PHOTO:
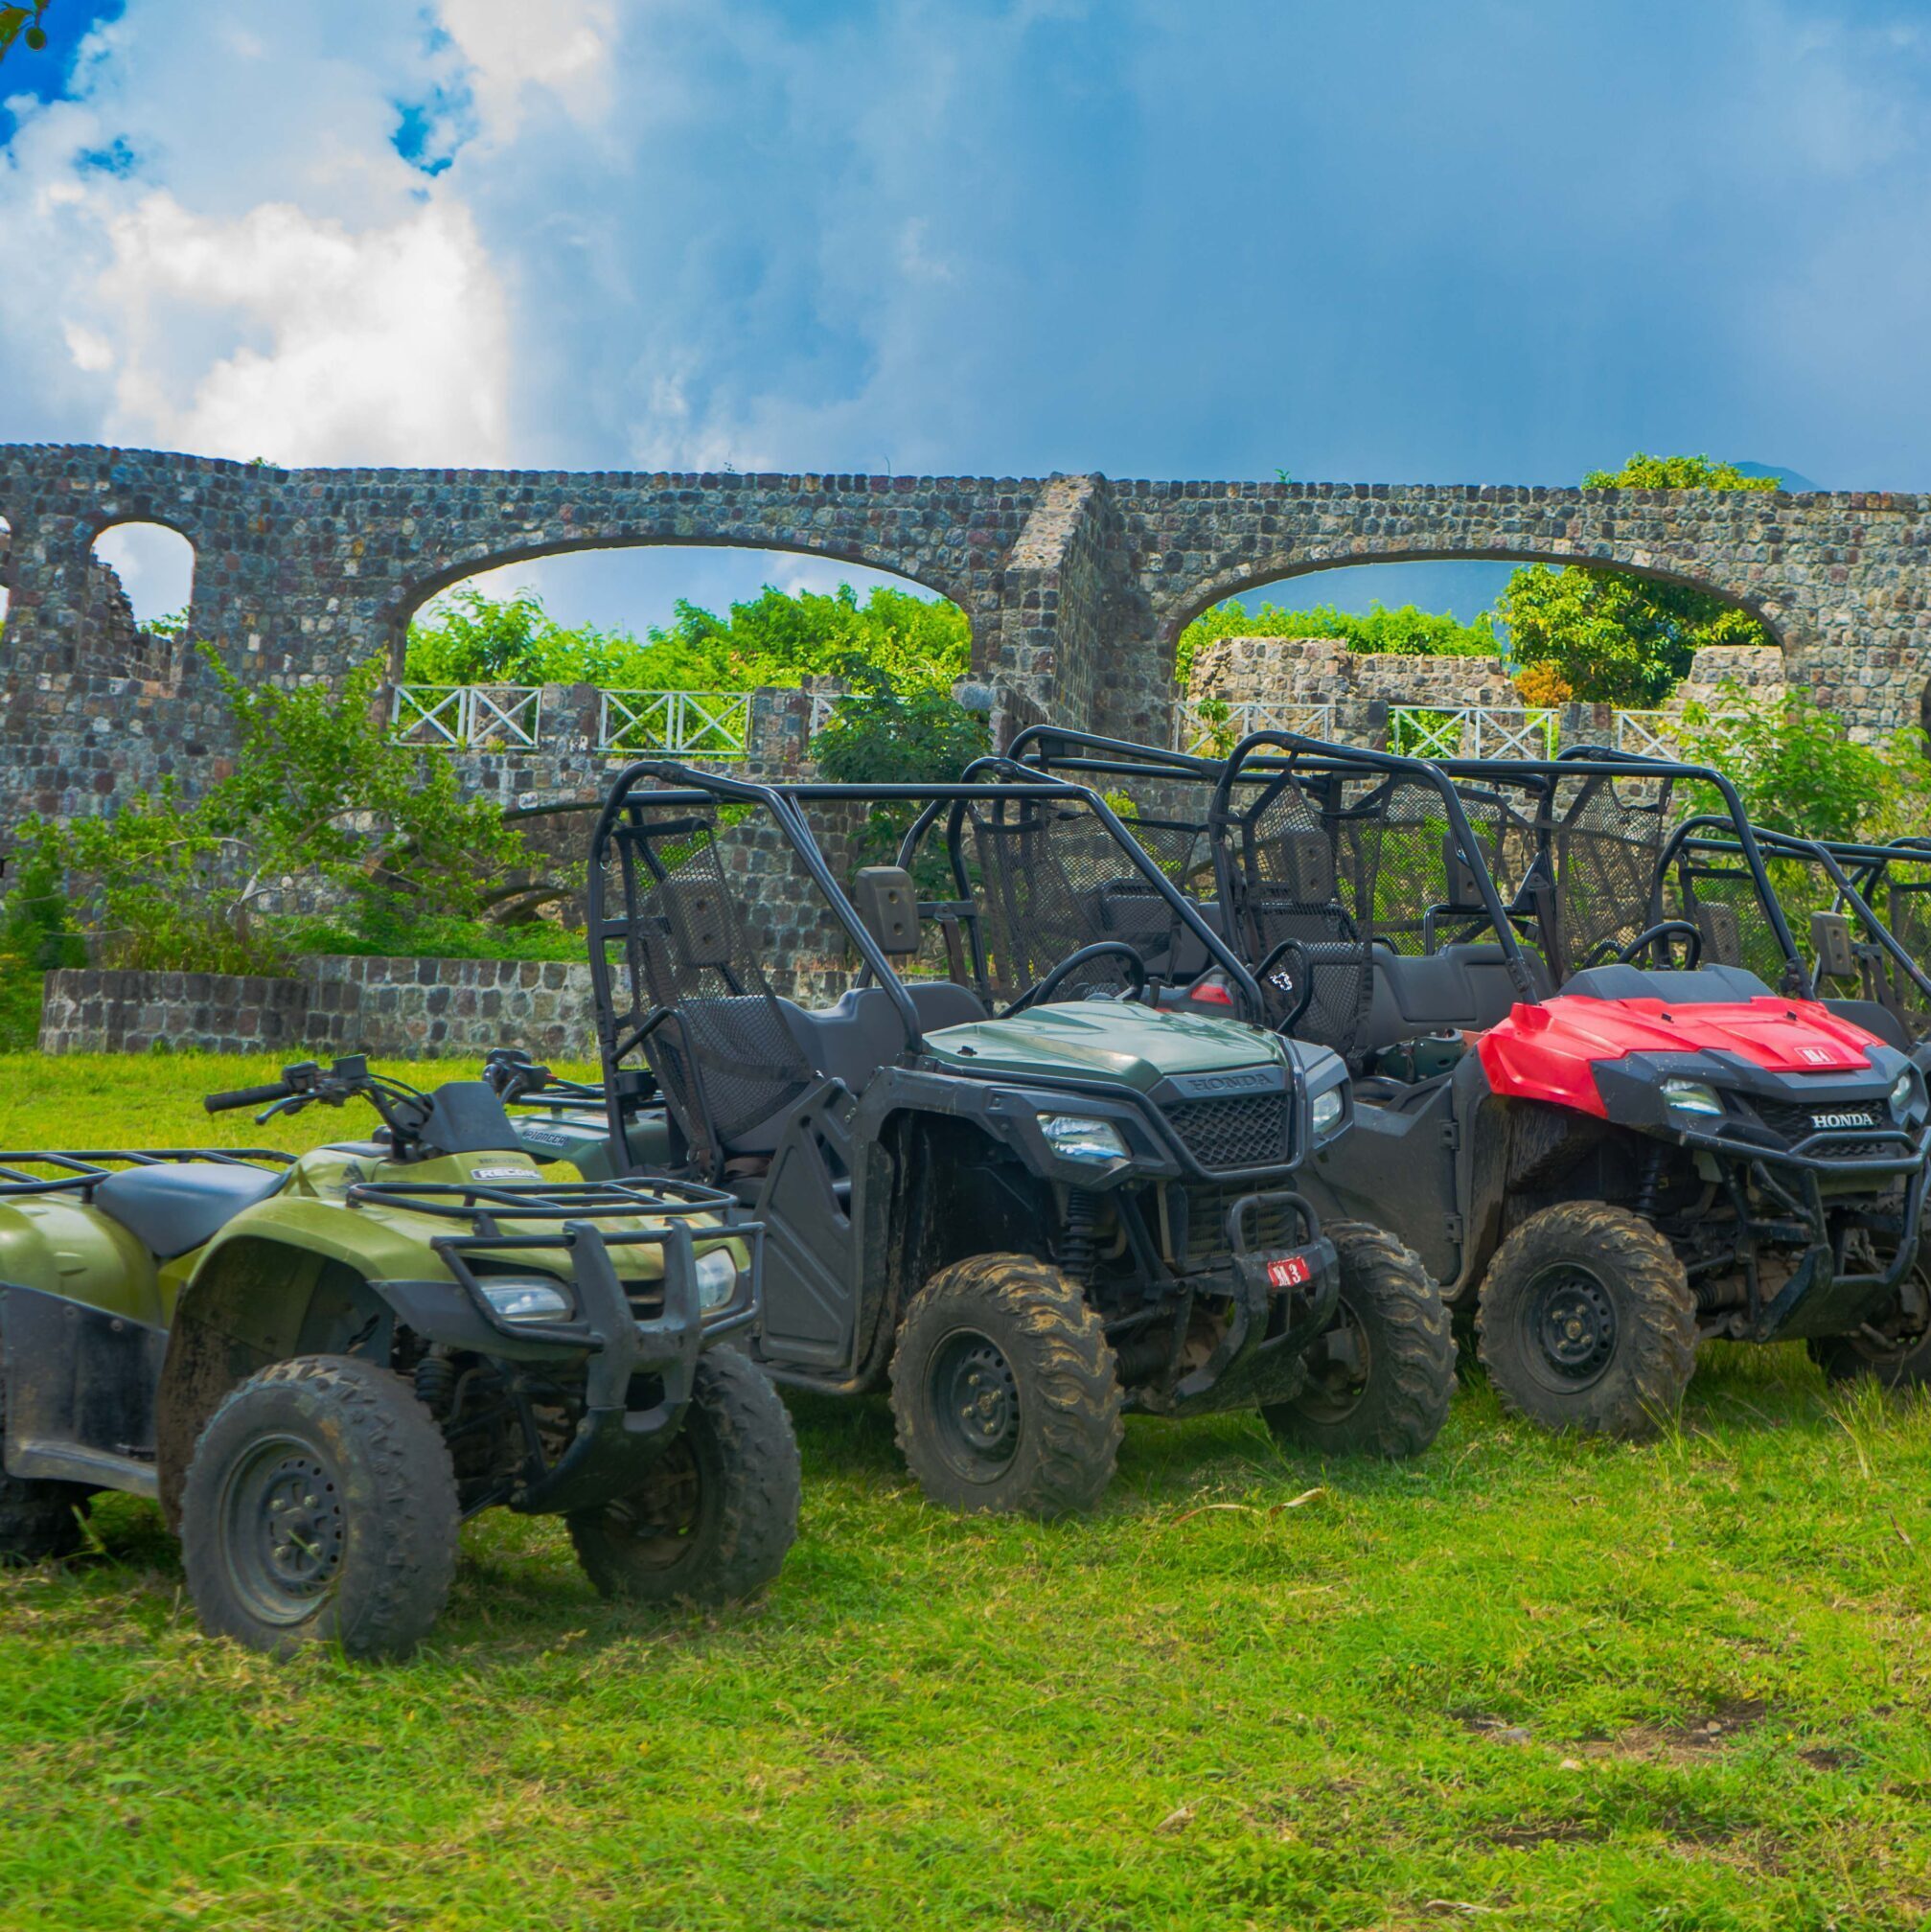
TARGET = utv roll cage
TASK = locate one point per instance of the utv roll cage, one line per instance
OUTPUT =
(690, 991)
(1614, 841)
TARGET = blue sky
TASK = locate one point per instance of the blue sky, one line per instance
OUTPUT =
(1507, 241)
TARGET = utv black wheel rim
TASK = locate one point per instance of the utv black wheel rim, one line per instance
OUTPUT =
(1572, 1320)
(1339, 1367)
(662, 1516)
(975, 1402)
(284, 1529)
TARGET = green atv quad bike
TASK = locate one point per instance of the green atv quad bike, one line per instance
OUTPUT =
(1019, 1220)
(320, 1365)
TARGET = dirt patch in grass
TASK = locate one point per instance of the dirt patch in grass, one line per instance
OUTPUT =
(1683, 1743)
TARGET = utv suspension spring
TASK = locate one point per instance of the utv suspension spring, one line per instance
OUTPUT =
(1077, 1251)
(1650, 1186)
(435, 1383)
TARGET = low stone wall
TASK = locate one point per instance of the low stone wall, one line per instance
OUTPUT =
(1324, 671)
(390, 1010)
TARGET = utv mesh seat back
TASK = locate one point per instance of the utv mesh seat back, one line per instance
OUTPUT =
(1053, 880)
(1607, 837)
(723, 1052)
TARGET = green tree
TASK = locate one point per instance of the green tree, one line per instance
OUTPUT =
(1407, 629)
(1614, 639)
(23, 24)
(1797, 770)
(1677, 473)
(890, 731)
(775, 638)
(319, 797)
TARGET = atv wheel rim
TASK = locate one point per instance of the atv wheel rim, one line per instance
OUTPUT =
(975, 1399)
(1571, 1322)
(283, 1528)
(1339, 1367)
(661, 1517)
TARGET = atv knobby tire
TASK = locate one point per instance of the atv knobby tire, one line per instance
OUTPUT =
(1005, 1393)
(1586, 1323)
(1380, 1380)
(37, 1520)
(320, 1506)
(1846, 1358)
(717, 1512)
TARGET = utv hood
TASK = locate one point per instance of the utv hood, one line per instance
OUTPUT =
(1546, 1052)
(1101, 1040)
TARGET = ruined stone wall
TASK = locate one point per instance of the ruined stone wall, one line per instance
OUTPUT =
(1077, 587)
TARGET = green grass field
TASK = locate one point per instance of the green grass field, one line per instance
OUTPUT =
(1521, 1682)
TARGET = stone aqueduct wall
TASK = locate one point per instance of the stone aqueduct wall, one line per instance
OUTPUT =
(1076, 587)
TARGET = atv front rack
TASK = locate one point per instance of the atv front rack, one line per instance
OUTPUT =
(81, 1172)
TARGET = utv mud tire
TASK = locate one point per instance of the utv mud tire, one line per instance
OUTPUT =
(719, 1510)
(320, 1506)
(1380, 1381)
(1848, 1358)
(37, 1520)
(1586, 1323)
(1005, 1393)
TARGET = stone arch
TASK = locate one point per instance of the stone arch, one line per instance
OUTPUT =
(116, 636)
(1247, 574)
(406, 599)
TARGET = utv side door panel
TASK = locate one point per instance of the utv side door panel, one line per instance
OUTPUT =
(81, 1386)
(1396, 1170)
(811, 1261)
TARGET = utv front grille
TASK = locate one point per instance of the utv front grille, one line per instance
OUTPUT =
(1249, 1131)
(1206, 1208)
(1792, 1121)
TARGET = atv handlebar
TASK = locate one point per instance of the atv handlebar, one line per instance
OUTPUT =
(249, 1096)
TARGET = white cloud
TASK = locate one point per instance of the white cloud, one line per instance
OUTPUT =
(382, 344)
(563, 47)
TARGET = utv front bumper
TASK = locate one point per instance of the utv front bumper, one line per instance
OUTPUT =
(1819, 1202)
(1272, 1302)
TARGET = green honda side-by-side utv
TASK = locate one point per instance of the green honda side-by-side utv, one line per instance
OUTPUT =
(1020, 1218)
(320, 1365)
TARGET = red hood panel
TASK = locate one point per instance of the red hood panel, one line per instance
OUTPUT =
(1546, 1052)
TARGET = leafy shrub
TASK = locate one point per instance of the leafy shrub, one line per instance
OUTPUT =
(1543, 685)
(319, 797)
(1796, 770)
(884, 731)
(1415, 632)
(1677, 473)
(775, 638)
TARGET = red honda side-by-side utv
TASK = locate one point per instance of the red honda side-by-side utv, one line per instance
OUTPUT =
(1604, 1135)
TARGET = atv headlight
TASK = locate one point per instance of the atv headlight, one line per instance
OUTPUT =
(1907, 1098)
(1692, 1099)
(1326, 1110)
(717, 1279)
(1073, 1136)
(527, 1301)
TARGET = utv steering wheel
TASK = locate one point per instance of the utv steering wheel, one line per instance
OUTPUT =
(1658, 934)
(1136, 967)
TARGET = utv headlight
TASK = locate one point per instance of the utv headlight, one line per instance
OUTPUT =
(527, 1301)
(717, 1279)
(1073, 1136)
(1692, 1098)
(1326, 1112)
(1907, 1098)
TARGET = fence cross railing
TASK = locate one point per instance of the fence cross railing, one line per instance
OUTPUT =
(1473, 731)
(468, 717)
(1204, 728)
(699, 725)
